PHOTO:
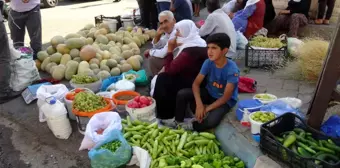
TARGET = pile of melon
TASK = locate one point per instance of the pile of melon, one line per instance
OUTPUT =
(94, 51)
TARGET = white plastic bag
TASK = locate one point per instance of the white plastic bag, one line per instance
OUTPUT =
(45, 91)
(241, 41)
(153, 84)
(15, 54)
(24, 72)
(293, 45)
(124, 85)
(140, 157)
(106, 121)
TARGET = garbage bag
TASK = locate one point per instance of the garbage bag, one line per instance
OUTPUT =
(99, 127)
(140, 158)
(103, 158)
(108, 81)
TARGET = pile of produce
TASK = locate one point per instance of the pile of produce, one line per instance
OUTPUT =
(84, 79)
(303, 144)
(111, 146)
(265, 97)
(169, 147)
(88, 102)
(94, 51)
(140, 102)
(71, 95)
(262, 117)
(265, 42)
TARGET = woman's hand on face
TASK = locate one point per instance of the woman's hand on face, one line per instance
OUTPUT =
(231, 15)
(172, 44)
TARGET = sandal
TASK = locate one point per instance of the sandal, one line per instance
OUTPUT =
(326, 22)
(318, 21)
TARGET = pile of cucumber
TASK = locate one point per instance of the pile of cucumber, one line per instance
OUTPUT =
(163, 141)
(303, 144)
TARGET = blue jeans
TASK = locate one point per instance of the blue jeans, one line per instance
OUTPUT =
(162, 6)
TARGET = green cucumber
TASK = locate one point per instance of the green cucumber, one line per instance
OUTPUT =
(331, 146)
(291, 138)
(323, 149)
(298, 130)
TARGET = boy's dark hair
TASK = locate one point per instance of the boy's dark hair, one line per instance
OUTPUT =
(212, 5)
(220, 39)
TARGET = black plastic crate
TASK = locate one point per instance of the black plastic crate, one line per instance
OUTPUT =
(284, 123)
(99, 19)
(257, 58)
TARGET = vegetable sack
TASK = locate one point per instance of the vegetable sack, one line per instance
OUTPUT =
(105, 158)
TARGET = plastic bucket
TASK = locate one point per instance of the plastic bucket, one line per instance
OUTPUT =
(255, 126)
(146, 114)
(264, 101)
(95, 86)
(112, 23)
(127, 22)
(68, 104)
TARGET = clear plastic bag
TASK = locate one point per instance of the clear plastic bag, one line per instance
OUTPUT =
(105, 158)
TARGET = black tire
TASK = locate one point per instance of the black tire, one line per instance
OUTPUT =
(50, 3)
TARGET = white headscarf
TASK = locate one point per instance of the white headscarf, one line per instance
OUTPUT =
(189, 36)
(251, 2)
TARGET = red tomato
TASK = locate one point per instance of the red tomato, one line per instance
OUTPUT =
(133, 104)
(144, 100)
(137, 98)
(70, 96)
(100, 131)
(77, 90)
(143, 105)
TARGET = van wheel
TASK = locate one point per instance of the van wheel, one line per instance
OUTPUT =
(50, 3)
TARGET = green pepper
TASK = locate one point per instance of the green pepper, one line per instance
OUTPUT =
(331, 146)
(306, 148)
(298, 130)
(289, 140)
(303, 152)
(207, 135)
(323, 149)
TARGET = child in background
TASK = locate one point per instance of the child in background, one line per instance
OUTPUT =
(322, 7)
(220, 93)
(196, 7)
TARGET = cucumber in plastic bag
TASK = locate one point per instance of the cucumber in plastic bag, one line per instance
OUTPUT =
(103, 158)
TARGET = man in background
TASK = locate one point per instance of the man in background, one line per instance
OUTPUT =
(182, 9)
(25, 14)
(6, 93)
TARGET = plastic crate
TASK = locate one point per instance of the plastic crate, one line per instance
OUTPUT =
(99, 19)
(284, 123)
(256, 58)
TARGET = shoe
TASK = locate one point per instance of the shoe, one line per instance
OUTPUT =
(169, 123)
(9, 96)
(318, 21)
(326, 22)
(186, 125)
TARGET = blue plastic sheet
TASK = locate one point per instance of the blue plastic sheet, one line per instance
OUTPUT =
(107, 82)
(280, 107)
(332, 126)
(103, 158)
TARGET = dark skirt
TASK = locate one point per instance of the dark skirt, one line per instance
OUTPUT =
(165, 93)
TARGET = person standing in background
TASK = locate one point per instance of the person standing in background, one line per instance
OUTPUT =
(196, 7)
(182, 9)
(163, 5)
(6, 93)
(150, 14)
(141, 11)
(25, 14)
(322, 7)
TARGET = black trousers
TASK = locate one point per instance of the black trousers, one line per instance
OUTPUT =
(150, 14)
(212, 118)
(322, 7)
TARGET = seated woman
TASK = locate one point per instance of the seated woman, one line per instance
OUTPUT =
(249, 19)
(186, 54)
(294, 17)
(218, 95)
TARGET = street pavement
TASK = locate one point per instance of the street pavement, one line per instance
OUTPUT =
(25, 142)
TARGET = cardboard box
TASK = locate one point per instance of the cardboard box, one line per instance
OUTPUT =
(30, 93)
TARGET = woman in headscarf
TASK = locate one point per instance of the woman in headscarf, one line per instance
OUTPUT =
(186, 54)
(294, 17)
(249, 19)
